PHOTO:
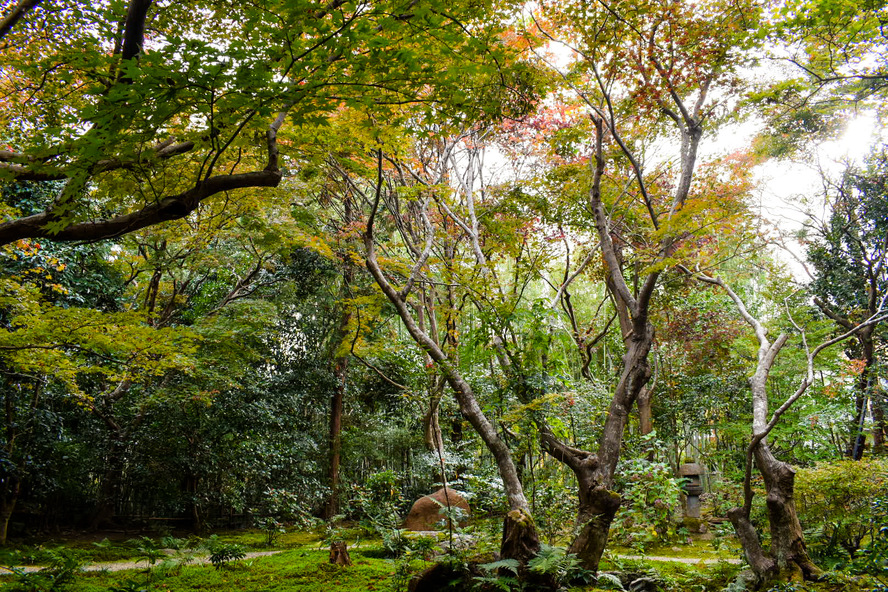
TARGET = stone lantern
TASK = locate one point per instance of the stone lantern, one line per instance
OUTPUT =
(693, 487)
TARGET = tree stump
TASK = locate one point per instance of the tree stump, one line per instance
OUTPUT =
(339, 553)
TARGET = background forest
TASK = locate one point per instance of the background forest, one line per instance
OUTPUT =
(296, 262)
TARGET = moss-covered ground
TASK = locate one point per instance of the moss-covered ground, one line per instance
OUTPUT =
(300, 564)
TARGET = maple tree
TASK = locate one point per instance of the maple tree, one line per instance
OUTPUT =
(144, 110)
(116, 357)
(837, 51)
(326, 175)
(519, 541)
(787, 557)
(643, 71)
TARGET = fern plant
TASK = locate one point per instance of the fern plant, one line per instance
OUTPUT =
(493, 577)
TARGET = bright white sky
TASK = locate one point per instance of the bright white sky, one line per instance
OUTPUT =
(787, 188)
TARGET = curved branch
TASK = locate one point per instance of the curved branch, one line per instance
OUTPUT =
(11, 164)
(11, 19)
(617, 281)
(172, 207)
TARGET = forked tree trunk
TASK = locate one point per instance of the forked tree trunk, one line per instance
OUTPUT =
(866, 388)
(431, 426)
(598, 504)
(787, 541)
(787, 557)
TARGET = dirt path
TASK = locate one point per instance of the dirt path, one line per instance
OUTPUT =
(688, 560)
(143, 564)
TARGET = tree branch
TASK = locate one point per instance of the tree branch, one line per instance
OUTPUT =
(11, 19)
(172, 207)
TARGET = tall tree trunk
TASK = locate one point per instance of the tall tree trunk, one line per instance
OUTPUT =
(431, 426)
(598, 503)
(863, 391)
(645, 413)
(787, 559)
(788, 556)
(340, 371)
(866, 388)
(7, 505)
(109, 488)
(879, 403)
(520, 539)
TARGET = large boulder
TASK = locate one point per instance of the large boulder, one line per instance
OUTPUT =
(426, 511)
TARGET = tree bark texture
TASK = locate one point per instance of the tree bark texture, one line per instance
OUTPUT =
(431, 426)
(788, 548)
(596, 512)
(598, 503)
(787, 557)
(520, 539)
(340, 372)
(863, 391)
(879, 403)
(645, 412)
(339, 553)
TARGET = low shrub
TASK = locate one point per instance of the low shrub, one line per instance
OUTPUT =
(650, 501)
(834, 503)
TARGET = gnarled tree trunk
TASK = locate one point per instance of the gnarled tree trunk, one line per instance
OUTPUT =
(788, 556)
(598, 503)
(787, 541)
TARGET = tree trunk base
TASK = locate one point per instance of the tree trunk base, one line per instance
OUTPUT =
(339, 554)
(520, 540)
(593, 522)
(764, 568)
